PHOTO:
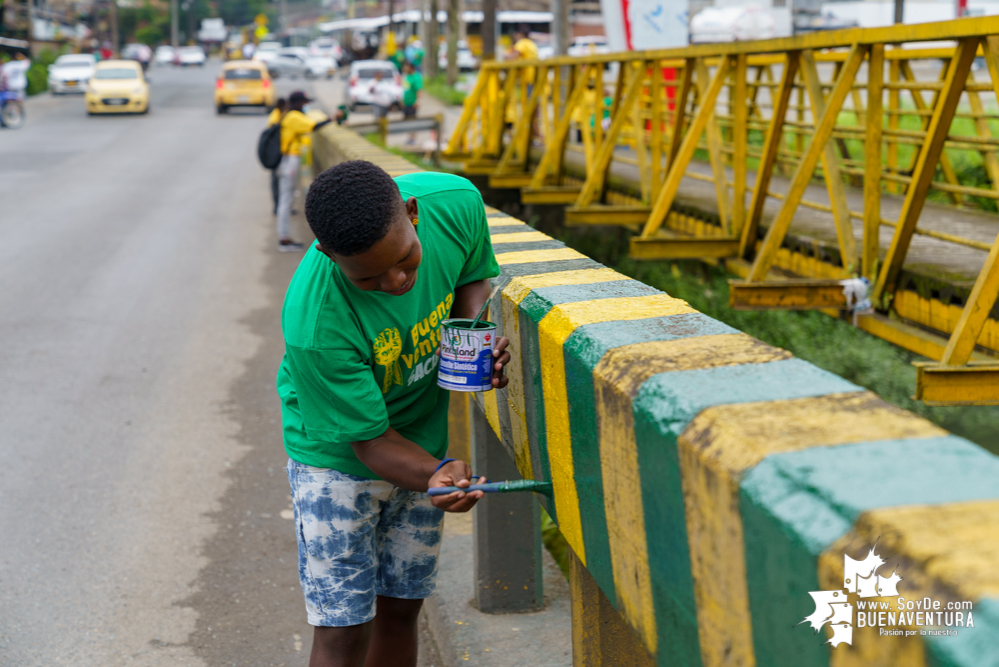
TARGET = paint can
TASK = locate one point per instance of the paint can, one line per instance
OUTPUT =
(466, 355)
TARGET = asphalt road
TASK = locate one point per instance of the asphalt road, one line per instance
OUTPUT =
(144, 510)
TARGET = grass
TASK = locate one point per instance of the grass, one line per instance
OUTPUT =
(437, 86)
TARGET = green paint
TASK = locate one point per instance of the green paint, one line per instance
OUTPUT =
(510, 486)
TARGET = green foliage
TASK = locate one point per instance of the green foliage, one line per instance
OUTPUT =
(150, 35)
(38, 73)
(437, 86)
(242, 12)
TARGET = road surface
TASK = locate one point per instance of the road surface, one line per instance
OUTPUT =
(144, 509)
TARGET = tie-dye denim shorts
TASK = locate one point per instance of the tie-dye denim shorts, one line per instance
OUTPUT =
(359, 538)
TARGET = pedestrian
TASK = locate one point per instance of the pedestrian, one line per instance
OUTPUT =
(414, 54)
(277, 113)
(364, 421)
(106, 52)
(524, 48)
(412, 83)
(294, 126)
(14, 74)
(248, 50)
(382, 95)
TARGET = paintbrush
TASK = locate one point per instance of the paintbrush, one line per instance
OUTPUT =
(497, 487)
(483, 309)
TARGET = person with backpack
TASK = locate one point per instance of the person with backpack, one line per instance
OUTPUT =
(293, 126)
(274, 119)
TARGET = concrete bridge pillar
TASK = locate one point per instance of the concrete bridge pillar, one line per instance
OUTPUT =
(506, 531)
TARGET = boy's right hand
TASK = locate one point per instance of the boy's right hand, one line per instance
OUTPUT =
(455, 473)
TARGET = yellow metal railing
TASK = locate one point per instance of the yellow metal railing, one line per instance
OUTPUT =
(870, 108)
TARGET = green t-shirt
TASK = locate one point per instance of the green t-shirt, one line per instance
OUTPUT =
(410, 85)
(358, 362)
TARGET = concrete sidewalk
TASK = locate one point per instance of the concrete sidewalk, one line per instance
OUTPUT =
(464, 635)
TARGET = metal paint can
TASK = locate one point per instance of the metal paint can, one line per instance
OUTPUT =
(466, 355)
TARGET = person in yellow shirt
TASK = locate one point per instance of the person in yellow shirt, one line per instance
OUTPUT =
(294, 126)
(524, 48)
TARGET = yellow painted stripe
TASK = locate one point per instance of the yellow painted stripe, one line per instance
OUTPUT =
(945, 552)
(513, 294)
(490, 405)
(715, 449)
(518, 288)
(626, 368)
(519, 237)
(553, 330)
(618, 376)
(551, 255)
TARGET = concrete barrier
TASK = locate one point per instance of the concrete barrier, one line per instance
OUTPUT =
(708, 482)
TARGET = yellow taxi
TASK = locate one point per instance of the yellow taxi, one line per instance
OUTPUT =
(117, 86)
(243, 83)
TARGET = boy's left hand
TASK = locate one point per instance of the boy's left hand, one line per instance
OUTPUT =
(502, 358)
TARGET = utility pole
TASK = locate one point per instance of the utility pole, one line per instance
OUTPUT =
(284, 17)
(488, 30)
(898, 11)
(174, 41)
(561, 29)
(453, 16)
(391, 14)
(433, 40)
(114, 27)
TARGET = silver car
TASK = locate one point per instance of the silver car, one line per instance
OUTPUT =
(291, 61)
(70, 73)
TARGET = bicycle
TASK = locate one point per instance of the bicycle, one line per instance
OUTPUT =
(11, 109)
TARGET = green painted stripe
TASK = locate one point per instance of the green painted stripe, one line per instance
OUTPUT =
(816, 495)
(583, 350)
(663, 406)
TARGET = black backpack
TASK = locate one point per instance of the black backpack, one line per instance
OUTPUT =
(269, 146)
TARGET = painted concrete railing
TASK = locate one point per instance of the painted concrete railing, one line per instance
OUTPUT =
(708, 482)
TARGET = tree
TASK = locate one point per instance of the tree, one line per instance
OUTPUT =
(453, 10)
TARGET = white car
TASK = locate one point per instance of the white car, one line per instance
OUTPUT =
(189, 56)
(466, 59)
(266, 51)
(326, 46)
(70, 73)
(362, 75)
(586, 45)
(164, 55)
(320, 67)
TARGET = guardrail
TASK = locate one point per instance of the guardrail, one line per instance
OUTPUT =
(809, 107)
(707, 482)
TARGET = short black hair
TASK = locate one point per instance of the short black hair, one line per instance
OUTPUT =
(351, 206)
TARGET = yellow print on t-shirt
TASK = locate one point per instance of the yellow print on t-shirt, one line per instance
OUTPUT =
(426, 336)
(387, 348)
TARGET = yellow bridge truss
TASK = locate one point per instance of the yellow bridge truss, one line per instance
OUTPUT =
(803, 110)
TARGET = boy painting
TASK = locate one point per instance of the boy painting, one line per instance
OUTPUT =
(365, 424)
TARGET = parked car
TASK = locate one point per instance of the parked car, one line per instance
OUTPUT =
(586, 45)
(466, 59)
(362, 74)
(266, 51)
(190, 56)
(243, 83)
(289, 62)
(117, 86)
(70, 73)
(164, 55)
(326, 46)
